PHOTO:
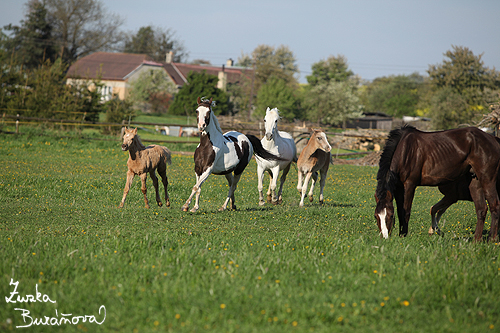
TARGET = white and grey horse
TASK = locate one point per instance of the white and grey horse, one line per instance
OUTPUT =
(278, 143)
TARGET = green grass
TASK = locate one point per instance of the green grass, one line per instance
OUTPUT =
(256, 269)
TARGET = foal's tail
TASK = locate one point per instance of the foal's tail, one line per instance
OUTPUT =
(260, 151)
(168, 155)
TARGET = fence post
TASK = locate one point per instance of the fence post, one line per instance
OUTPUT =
(17, 124)
(123, 129)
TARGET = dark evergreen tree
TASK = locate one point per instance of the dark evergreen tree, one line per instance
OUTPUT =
(199, 85)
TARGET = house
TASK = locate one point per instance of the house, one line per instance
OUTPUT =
(118, 70)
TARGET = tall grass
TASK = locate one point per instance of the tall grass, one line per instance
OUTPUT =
(256, 269)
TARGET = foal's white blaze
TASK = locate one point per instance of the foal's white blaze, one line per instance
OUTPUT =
(383, 226)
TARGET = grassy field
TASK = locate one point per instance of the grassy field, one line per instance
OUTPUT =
(256, 269)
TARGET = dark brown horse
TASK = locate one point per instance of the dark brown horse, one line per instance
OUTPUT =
(466, 188)
(413, 158)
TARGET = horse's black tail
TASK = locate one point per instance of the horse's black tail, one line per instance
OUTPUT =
(260, 151)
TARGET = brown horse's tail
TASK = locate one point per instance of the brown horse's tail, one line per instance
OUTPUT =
(260, 151)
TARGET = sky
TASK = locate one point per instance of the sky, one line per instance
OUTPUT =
(377, 37)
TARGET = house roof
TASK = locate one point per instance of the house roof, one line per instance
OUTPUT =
(179, 72)
(119, 66)
(112, 66)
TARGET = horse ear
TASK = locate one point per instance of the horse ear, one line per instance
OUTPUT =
(268, 109)
(210, 102)
(199, 101)
(135, 130)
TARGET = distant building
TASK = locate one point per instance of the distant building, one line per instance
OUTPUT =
(118, 70)
(372, 120)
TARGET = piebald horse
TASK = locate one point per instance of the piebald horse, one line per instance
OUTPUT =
(314, 157)
(221, 154)
(413, 158)
(281, 144)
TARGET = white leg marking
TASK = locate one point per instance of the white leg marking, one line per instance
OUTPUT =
(383, 226)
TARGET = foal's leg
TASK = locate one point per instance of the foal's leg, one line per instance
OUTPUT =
(323, 172)
(144, 189)
(304, 188)
(128, 183)
(313, 183)
(282, 181)
(437, 211)
(163, 174)
(155, 184)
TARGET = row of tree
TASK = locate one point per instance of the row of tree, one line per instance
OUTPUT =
(35, 55)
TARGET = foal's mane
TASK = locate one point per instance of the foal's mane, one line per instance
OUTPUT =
(206, 103)
(386, 179)
(137, 141)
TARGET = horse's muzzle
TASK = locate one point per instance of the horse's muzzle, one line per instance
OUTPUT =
(124, 147)
(269, 136)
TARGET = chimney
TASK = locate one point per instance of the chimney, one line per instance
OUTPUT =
(229, 62)
(170, 57)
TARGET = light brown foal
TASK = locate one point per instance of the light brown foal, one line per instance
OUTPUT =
(143, 160)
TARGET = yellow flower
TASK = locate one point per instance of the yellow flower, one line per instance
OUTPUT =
(223, 306)
(294, 323)
(177, 316)
(405, 303)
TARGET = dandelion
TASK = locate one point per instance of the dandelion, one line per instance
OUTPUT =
(294, 323)
(223, 306)
(405, 303)
(177, 316)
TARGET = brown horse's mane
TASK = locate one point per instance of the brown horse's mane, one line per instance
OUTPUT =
(386, 179)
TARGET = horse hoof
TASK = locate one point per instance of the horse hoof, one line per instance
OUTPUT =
(121, 205)
(275, 203)
(193, 210)
(261, 203)
(321, 202)
(184, 209)
(310, 198)
(146, 206)
(160, 204)
(167, 203)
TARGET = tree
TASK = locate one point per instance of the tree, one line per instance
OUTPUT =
(394, 95)
(277, 93)
(31, 41)
(271, 62)
(155, 42)
(462, 75)
(333, 103)
(152, 91)
(82, 27)
(199, 85)
(331, 69)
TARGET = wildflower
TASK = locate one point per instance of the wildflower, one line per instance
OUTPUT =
(177, 316)
(223, 306)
